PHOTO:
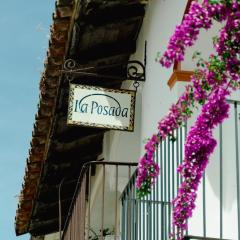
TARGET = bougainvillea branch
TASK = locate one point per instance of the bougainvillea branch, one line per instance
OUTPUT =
(212, 82)
(186, 34)
(148, 170)
(199, 145)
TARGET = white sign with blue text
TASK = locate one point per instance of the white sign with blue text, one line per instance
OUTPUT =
(101, 107)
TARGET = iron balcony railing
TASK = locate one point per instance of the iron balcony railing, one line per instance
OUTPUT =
(97, 217)
(150, 217)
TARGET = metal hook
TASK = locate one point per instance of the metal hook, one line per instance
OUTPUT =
(136, 84)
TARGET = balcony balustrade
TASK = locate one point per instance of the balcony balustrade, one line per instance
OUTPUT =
(106, 207)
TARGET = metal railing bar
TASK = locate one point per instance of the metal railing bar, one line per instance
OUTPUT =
(173, 169)
(116, 201)
(202, 238)
(182, 141)
(123, 219)
(126, 220)
(136, 211)
(204, 205)
(103, 201)
(132, 210)
(128, 214)
(89, 200)
(233, 102)
(74, 223)
(154, 208)
(185, 137)
(169, 188)
(60, 208)
(131, 177)
(221, 180)
(173, 174)
(147, 201)
(181, 150)
(161, 190)
(151, 221)
(151, 216)
(147, 217)
(144, 225)
(237, 167)
(157, 187)
(155, 221)
(136, 220)
(165, 155)
(129, 210)
(130, 205)
(99, 162)
(78, 212)
(177, 145)
(140, 219)
(162, 222)
(74, 198)
(165, 185)
(83, 170)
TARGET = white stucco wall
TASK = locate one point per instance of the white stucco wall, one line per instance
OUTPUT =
(54, 236)
(153, 101)
(160, 20)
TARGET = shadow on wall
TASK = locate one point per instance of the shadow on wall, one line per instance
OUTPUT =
(229, 147)
(121, 146)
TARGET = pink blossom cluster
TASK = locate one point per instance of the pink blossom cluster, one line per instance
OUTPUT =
(219, 10)
(210, 84)
(228, 45)
(208, 78)
(148, 170)
(186, 34)
(198, 80)
(198, 148)
(213, 78)
(199, 16)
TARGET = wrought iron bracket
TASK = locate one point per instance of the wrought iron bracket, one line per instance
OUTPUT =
(133, 70)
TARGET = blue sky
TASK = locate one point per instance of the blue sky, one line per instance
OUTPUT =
(24, 28)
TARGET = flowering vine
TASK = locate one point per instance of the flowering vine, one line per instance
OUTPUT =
(199, 145)
(212, 82)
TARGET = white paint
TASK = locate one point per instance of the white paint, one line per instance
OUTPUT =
(54, 236)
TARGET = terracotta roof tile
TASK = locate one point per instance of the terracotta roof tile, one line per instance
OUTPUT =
(48, 92)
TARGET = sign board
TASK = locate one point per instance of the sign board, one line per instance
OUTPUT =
(101, 107)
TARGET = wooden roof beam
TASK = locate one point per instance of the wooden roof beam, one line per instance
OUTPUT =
(106, 50)
(51, 193)
(112, 14)
(46, 212)
(45, 227)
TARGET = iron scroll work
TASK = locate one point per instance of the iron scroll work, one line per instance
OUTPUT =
(135, 71)
(93, 106)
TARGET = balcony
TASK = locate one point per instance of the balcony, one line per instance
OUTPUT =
(95, 210)
(217, 215)
(105, 205)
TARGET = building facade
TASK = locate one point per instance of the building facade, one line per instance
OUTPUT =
(94, 194)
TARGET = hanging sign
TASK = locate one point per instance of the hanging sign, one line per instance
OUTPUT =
(100, 107)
